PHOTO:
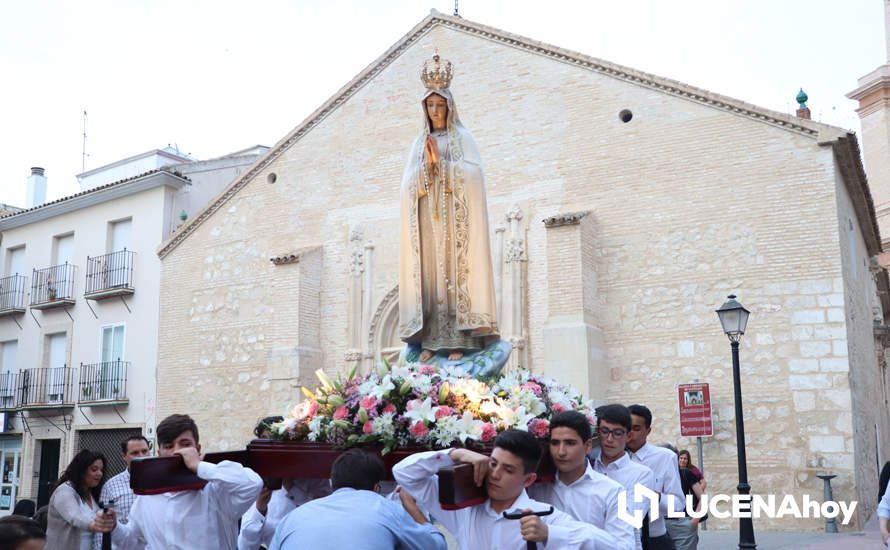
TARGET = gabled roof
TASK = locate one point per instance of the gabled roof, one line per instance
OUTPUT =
(94, 195)
(824, 134)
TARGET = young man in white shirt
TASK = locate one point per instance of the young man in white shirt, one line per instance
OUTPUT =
(259, 522)
(613, 424)
(205, 519)
(578, 490)
(663, 464)
(506, 474)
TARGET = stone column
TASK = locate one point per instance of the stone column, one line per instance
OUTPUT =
(498, 264)
(356, 269)
(368, 300)
(573, 341)
(513, 314)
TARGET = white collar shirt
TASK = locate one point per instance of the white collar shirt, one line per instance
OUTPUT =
(663, 463)
(593, 499)
(257, 529)
(205, 519)
(479, 526)
(629, 473)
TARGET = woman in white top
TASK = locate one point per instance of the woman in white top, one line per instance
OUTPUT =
(74, 514)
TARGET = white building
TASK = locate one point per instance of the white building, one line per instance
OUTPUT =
(79, 295)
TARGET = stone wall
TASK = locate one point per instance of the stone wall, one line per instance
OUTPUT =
(688, 202)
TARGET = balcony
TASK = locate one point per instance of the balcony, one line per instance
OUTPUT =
(8, 391)
(12, 294)
(103, 383)
(53, 286)
(110, 275)
(46, 388)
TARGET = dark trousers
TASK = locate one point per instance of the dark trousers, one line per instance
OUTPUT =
(663, 542)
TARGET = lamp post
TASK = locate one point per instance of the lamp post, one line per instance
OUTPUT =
(734, 318)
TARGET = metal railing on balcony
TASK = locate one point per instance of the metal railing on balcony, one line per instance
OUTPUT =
(8, 391)
(12, 294)
(53, 286)
(110, 274)
(46, 388)
(104, 382)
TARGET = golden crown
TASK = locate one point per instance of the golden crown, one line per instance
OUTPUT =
(436, 74)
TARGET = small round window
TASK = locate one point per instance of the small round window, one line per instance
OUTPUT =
(625, 115)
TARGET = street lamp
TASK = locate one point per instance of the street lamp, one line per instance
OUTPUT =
(734, 318)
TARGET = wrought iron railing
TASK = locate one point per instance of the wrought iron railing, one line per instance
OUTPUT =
(46, 387)
(53, 285)
(106, 381)
(9, 390)
(110, 272)
(12, 293)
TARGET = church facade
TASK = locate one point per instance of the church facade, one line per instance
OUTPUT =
(623, 208)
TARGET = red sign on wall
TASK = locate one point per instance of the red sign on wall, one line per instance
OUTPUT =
(695, 410)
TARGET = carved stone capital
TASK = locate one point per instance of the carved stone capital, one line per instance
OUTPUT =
(352, 355)
(515, 250)
(515, 213)
(569, 218)
(518, 342)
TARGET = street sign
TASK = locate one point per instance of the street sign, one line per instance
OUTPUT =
(695, 410)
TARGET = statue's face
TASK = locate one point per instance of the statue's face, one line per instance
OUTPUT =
(437, 110)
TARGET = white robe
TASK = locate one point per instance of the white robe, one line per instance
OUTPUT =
(446, 287)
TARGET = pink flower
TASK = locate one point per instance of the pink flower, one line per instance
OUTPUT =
(418, 430)
(533, 387)
(443, 410)
(558, 408)
(368, 402)
(539, 427)
(368, 427)
(427, 369)
(341, 413)
(389, 408)
(488, 432)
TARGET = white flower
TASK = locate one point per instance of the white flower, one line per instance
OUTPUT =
(383, 425)
(315, 429)
(401, 372)
(468, 427)
(445, 431)
(381, 390)
(422, 411)
(517, 418)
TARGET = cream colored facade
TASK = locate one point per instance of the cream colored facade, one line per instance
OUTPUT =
(613, 243)
(82, 373)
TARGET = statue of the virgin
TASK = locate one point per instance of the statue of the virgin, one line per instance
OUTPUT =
(446, 288)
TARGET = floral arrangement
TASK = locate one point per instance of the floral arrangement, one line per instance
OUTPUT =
(422, 405)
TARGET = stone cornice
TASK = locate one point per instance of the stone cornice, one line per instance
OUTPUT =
(569, 218)
(293, 257)
(665, 85)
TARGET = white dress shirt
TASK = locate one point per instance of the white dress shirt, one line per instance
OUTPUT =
(593, 499)
(257, 529)
(663, 463)
(206, 519)
(480, 527)
(628, 473)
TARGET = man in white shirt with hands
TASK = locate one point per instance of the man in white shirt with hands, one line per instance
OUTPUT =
(205, 519)
(506, 474)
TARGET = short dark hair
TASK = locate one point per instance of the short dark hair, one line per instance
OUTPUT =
(642, 410)
(572, 420)
(171, 427)
(14, 530)
(522, 444)
(25, 507)
(126, 442)
(266, 424)
(356, 469)
(614, 414)
(77, 468)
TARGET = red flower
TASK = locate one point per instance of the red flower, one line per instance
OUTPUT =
(443, 410)
(539, 427)
(368, 427)
(558, 408)
(488, 432)
(419, 429)
(341, 413)
(368, 402)
(389, 408)
(427, 369)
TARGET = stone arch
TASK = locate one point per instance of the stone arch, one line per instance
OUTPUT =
(383, 333)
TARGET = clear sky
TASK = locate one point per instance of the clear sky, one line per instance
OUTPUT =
(217, 76)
